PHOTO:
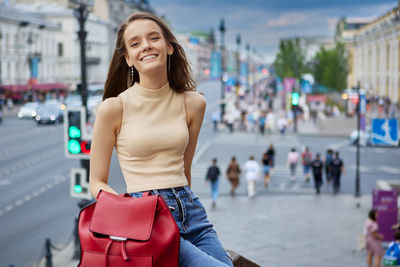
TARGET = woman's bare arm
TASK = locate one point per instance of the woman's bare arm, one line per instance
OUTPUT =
(106, 127)
(195, 109)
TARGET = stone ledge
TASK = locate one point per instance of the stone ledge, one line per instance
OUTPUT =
(240, 261)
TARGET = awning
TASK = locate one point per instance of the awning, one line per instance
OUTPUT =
(43, 87)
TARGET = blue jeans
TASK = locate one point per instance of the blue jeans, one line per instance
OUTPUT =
(199, 244)
(214, 190)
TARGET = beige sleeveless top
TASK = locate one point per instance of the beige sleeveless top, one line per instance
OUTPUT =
(153, 137)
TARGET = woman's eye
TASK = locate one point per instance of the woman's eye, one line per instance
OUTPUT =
(155, 38)
(134, 44)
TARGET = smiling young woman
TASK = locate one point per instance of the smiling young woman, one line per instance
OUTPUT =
(152, 115)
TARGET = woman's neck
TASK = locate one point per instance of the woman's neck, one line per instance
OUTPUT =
(154, 81)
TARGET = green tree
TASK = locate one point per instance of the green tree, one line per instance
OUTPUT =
(290, 60)
(331, 67)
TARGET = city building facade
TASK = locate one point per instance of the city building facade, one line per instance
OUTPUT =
(376, 66)
(28, 53)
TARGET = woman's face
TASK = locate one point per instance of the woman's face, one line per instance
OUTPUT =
(146, 47)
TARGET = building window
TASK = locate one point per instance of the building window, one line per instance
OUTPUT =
(60, 49)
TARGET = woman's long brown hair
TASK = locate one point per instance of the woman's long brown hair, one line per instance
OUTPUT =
(119, 77)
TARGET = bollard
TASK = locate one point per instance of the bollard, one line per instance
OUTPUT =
(49, 262)
(77, 244)
(240, 261)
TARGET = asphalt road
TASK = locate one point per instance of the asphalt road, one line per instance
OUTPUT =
(34, 176)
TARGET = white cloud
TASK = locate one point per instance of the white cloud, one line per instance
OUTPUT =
(287, 19)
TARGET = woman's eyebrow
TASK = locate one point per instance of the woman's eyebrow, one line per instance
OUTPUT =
(149, 34)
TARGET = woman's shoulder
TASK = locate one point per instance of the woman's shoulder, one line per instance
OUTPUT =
(194, 100)
(110, 108)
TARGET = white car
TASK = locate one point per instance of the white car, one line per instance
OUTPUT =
(28, 110)
(365, 137)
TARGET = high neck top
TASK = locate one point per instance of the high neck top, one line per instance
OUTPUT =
(154, 94)
(152, 139)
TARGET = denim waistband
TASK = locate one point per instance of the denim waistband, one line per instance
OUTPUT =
(175, 191)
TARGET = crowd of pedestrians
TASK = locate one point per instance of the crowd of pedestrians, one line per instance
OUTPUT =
(253, 171)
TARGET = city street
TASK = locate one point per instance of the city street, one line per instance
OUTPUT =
(35, 202)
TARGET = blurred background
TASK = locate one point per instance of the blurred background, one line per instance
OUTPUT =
(291, 74)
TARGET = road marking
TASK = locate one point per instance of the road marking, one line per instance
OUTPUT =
(338, 145)
(19, 202)
(201, 152)
(8, 207)
(389, 169)
(5, 182)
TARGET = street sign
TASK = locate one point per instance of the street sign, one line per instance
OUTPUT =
(79, 184)
(385, 132)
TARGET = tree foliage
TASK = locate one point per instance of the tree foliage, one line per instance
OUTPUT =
(290, 60)
(331, 67)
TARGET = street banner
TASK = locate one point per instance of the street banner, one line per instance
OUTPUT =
(215, 65)
(385, 132)
(288, 84)
(385, 203)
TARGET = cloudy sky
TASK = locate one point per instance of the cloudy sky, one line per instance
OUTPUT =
(263, 22)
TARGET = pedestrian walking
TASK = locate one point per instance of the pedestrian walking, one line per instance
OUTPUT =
(328, 159)
(233, 173)
(317, 166)
(292, 160)
(337, 168)
(271, 154)
(282, 125)
(152, 115)
(306, 159)
(212, 176)
(266, 162)
(261, 123)
(215, 117)
(373, 240)
(252, 172)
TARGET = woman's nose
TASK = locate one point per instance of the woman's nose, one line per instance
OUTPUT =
(146, 45)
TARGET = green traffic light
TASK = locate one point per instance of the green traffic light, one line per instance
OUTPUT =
(74, 147)
(78, 188)
(295, 99)
(74, 132)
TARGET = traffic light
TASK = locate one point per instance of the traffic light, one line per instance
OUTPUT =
(295, 98)
(77, 144)
(79, 184)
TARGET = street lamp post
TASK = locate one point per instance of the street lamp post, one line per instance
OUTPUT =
(222, 31)
(357, 191)
(81, 12)
(248, 67)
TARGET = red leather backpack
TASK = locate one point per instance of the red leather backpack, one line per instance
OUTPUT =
(121, 231)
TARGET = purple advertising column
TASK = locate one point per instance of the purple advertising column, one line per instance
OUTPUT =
(385, 202)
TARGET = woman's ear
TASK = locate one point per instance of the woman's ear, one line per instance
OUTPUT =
(170, 49)
(127, 60)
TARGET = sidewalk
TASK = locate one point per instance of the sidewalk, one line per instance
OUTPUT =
(283, 230)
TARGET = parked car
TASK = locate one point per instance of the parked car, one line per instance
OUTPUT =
(49, 113)
(28, 110)
(365, 137)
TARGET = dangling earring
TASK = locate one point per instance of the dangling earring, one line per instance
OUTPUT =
(132, 73)
(169, 62)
